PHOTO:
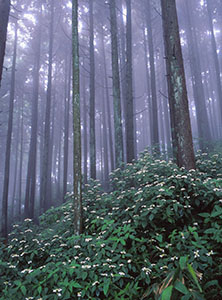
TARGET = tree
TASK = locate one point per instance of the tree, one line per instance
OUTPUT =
(215, 56)
(129, 121)
(177, 92)
(77, 177)
(46, 172)
(154, 114)
(9, 141)
(4, 15)
(116, 88)
(92, 139)
(31, 173)
(198, 90)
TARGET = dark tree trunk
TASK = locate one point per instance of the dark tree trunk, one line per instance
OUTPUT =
(108, 107)
(116, 88)
(92, 140)
(105, 140)
(20, 164)
(129, 121)
(154, 120)
(66, 129)
(31, 172)
(4, 15)
(76, 124)
(85, 131)
(8, 142)
(177, 92)
(46, 172)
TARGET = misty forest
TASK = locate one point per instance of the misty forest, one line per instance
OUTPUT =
(111, 149)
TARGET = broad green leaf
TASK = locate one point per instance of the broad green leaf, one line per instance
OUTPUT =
(106, 287)
(166, 294)
(181, 287)
(84, 275)
(39, 289)
(159, 238)
(23, 289)
(183, 262)
(194, 276)
(76, 285)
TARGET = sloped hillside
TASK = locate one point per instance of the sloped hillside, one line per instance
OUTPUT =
(156, 236)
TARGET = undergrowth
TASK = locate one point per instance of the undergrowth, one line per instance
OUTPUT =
(156, 236)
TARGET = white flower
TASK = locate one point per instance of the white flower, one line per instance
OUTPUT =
(196, 254)
(210, 253)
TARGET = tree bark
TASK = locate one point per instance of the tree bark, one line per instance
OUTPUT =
(77, 176)
(31, 172)
(154, 120)
(46, 173)
(177, 92)
(4, 16)
(129, 121)
(4, 228)
(92, 140)
(116, 88)
(199, 97)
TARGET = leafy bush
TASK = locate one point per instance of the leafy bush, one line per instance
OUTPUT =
(148, 239)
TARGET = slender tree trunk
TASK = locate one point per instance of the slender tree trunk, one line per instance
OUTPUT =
(8, 142)
(76, 124)
(116, 88)
(46, 181)
(215, 57)
(85, 137)
(180, 118)
(130, 155)
(4, 15)
(20, 163)
(108, 106)
(15, 183)
(66, 129)
(150, 132)
(105, 140)
(199, 97)
(92, 140)
(155, 129)
(31, 172)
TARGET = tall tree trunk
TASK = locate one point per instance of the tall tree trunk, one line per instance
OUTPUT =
(92, 140)
(199, 97)
(118, 133)
(177, 92)
(85, 137)
(15, 183)
(20, 163)
(66, 129)
(130, 154)
(215, 57)
(4, 15)
(8, 142)
(148, 101)
(31, 172)
(155, 129)
(46, 173)
(108, 106)
(105, 140)
(76, 124)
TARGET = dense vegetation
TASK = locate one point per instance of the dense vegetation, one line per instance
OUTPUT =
(156, 236)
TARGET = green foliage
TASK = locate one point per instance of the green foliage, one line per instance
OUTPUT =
(156, 236)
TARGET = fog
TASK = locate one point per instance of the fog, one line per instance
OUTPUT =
(37, 76)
